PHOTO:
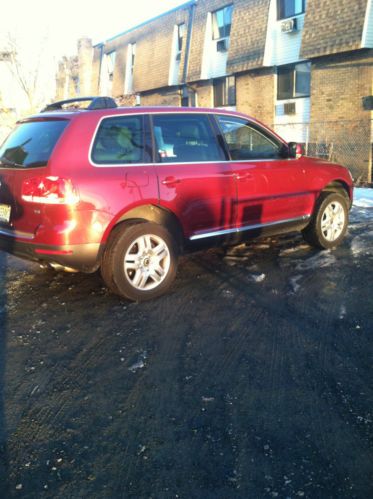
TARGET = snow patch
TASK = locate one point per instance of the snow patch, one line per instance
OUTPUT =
(362, 244)
(294, 283)
(342, 312)
(140, 364)
(321, 260)
(258, 277)
(363, 198)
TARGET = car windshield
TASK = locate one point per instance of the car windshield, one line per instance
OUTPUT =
(31, 143)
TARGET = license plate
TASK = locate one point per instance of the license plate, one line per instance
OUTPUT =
(4, 213)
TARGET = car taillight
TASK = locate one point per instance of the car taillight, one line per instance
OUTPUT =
(49, 190)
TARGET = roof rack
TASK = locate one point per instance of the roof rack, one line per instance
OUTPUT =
(96, 103)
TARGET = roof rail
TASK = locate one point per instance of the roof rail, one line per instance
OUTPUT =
(96, 103)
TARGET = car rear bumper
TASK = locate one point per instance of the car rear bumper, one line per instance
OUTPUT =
(82, 257)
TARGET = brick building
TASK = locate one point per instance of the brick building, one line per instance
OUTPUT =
(305, 67)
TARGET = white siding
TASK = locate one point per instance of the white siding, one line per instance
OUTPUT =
(128, 80)
(173, 78)
(214, 63)
(282, 48)
(294, 127)
(367, 41)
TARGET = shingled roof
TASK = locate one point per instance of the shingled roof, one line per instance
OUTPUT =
(332, 27)
(248, 38)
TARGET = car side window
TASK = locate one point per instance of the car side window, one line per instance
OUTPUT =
(246, 142)
(119, 140)
(185, 138)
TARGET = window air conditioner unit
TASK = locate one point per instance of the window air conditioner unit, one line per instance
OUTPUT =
(221, 45)
(289, 26)
(289, 108)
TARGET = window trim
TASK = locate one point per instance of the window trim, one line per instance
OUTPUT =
(146, 154)
(279, 7)
(293, 67)
(231, 5)
(213, 115)
(213, 132)
(224, 80)
(263, 131)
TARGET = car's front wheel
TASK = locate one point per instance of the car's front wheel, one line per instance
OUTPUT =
(329, 221)
(140, 261)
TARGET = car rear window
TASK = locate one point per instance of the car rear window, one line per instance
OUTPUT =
(31, 143)
(120, 141)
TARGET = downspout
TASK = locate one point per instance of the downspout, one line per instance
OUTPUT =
(187, 47)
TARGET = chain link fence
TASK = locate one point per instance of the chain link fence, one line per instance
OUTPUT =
(348, 142)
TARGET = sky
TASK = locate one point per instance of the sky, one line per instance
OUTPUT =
(60, 23)
(43, 31)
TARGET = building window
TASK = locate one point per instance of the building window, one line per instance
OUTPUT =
(221, 22)
(110, 63)
(180, 36)
(130, 67)
(290, 8)
(189, 97)
(294, 81)
(224, 91)
(133, 55)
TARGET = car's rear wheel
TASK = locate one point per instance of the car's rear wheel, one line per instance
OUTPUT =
(140, 261)
(329, 221)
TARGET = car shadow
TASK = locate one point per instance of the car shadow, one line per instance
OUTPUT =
(3, 352)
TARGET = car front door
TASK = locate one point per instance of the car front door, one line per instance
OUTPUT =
(195, 179)
(271, 189)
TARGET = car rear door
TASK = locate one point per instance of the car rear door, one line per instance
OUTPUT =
(195, 181)
(271, 189)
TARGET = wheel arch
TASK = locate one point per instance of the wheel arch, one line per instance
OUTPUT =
(341, 187)
(151, 213)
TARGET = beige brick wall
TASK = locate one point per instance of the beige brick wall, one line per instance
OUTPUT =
(332, 26)
(96, 66)
(255, 93)
(338, 84)
(161, 98)
(85, 56)
(119, 72)
(153, 52)
(205, 94)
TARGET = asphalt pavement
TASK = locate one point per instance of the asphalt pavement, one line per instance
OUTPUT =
(252, 378)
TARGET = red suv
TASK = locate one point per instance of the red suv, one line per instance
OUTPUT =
(127, 190)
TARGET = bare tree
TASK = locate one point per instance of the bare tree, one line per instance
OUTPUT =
(25, 73)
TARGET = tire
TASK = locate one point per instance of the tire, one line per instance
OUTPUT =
(329, 222)
(140, 261)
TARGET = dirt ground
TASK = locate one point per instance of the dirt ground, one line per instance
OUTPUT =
(252, 378)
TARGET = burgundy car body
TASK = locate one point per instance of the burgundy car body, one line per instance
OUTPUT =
(203, 199)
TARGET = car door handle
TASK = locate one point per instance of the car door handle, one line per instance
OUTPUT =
(243, 176)
(171, 181)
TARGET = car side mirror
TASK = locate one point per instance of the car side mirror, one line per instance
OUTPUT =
(295, 150)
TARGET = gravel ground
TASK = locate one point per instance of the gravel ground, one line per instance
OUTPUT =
(252, 378)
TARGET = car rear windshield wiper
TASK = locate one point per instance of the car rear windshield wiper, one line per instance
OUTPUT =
(8, 162)
(33, 164)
